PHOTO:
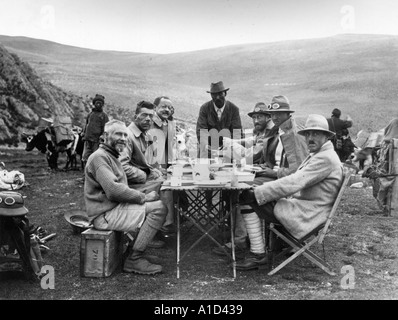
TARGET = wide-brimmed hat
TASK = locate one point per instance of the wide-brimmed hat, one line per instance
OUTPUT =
(217, 87)
(99, 97)
(279, 104)
(12, 204)
(78, 219)
(261, 108)
(318, 123)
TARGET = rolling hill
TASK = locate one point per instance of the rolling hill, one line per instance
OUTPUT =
(356, 73)
(25, 97)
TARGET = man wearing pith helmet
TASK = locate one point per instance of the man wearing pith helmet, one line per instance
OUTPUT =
(217, 117)
(301, 201)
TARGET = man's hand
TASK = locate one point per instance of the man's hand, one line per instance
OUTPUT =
(267, 172)
(156, 173)
(151, 196)
(247, 197)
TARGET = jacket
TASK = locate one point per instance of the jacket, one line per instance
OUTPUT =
(163, 151)
(134, 157)
(207, 120)
(295, 149)
(306, 197)
(95, 124)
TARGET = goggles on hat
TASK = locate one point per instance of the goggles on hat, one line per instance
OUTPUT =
(273, 106)
(7, 200)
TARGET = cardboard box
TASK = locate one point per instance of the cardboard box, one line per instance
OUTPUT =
(100, 252)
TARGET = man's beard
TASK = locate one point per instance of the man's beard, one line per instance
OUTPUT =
(219, 103)
(119, 146)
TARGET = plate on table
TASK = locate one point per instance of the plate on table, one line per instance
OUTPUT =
(210, 183)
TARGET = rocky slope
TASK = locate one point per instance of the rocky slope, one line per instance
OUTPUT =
(25, 98)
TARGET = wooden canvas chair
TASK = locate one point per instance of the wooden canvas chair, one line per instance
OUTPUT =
(302, 246)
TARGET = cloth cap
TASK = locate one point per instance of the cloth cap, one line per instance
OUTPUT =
(336, 112)
(99, 97)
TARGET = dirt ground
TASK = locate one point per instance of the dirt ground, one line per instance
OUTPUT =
(362, 240)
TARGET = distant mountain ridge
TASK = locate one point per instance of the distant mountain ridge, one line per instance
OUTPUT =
(356, 73)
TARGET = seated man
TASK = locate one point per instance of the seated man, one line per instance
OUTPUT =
(136, 159)
(112, 205)
(250, 149)
(300, 201)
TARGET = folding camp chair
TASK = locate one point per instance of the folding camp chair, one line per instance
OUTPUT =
(301, 245)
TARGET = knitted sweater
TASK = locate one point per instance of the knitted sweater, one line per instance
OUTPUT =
(106, 183)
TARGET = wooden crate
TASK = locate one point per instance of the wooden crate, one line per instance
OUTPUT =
(100, 252)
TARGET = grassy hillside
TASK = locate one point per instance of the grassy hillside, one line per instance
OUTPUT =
(356, 73)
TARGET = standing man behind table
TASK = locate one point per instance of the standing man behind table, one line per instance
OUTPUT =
(94, 128)
(300, 201)
(112, 205)
(135, 161)
(163, 131)
(217, 118)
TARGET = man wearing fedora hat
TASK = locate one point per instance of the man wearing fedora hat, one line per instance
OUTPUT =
(251, 147)
(112, 205)
(284, 149)
(217, 118)
(297, 201)
(94, 128)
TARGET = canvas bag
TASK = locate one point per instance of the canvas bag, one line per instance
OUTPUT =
(63, 130)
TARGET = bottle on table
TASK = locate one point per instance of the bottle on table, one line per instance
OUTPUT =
(234, 175)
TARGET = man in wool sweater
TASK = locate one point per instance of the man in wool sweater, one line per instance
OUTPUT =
(112, 205)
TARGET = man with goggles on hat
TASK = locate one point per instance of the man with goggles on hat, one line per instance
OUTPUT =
(286, 149)
(250, 148)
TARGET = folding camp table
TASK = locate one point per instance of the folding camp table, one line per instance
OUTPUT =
(206, 214)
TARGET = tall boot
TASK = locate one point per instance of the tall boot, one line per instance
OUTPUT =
(136, 262)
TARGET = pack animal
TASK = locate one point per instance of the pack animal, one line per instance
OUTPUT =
(44, 142)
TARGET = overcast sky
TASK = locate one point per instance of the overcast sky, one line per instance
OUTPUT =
(165, 26)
